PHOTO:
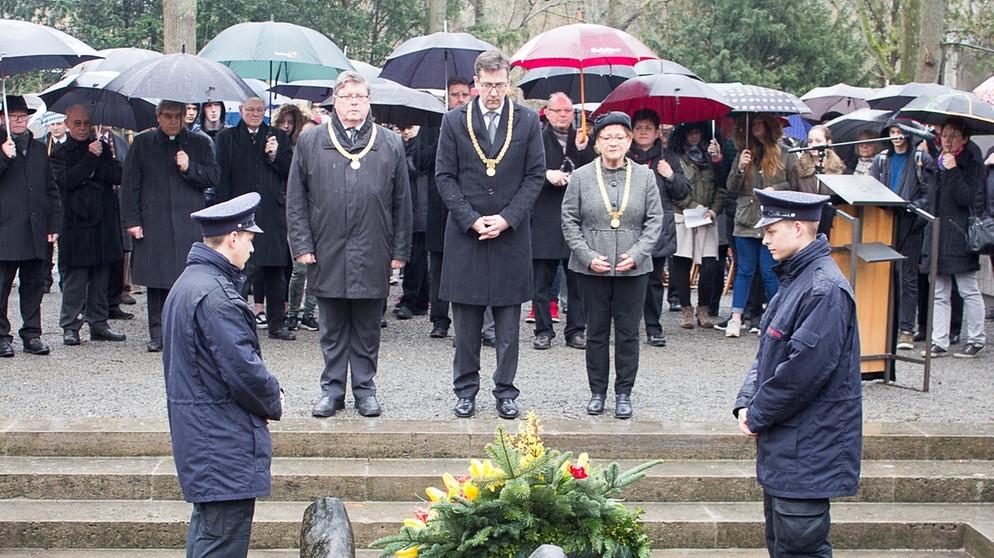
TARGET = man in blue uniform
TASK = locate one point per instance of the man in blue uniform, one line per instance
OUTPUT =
(220, 395)
(801, 399)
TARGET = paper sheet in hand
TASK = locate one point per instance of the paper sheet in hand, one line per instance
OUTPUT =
(696, 217)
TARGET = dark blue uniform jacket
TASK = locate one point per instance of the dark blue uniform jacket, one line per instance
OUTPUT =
(803, 390)
(219, 393)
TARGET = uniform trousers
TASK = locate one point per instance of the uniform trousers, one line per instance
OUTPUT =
(31, 290)
(468, 322)
(156, 300)
(544, 273)
(439, 309)
(416, 283)
(84, 290)
(220, 529)
(654, 296)
(619, 300)
(797, 528)
(350, 342)
(273, 281)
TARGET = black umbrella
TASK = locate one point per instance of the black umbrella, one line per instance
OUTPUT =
(390, 102)
(106, 107)
(116, 60)
(978, 115)
(598, 81)
(184, 78)
(430, 61)
(894, 97)
(848, 126)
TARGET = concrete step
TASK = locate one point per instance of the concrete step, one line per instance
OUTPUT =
(135, 524)
(674, 553)
(346, 437)
(307, 479)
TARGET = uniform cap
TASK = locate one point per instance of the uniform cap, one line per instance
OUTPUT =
(237, 214)
(797, 206)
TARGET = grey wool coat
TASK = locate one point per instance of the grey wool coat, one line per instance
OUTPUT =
(498, 271)
(156, 196)
(354, 221)
(587, 225)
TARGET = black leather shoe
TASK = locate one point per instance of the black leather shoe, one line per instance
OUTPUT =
(577, 341)
(117, 314)
(35, 346)
(542, 342)
(327, 407)
(154, 346)
(506, 408)
(383, 323)
(489, 342)
(439, 331)
(657, 340)
(282, 333)
(70, 337)
(403, 313)
(596, 404)
(368, 406)
(106, 334)
(623, 406)
(6, 350)
(465, 407)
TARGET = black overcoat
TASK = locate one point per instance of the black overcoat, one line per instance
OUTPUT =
(437, 213)
(956, 193)
(547, 230)
(354, 221)
(91, 223)
(156, 196)
(30, 208)
(495, 272)
(245, 168)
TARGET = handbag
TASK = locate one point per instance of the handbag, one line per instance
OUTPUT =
(980, 235)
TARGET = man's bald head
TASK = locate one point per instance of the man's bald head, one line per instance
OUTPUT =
(78, 122)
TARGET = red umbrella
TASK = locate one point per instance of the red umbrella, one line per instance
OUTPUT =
(674, 98)
(581, 45)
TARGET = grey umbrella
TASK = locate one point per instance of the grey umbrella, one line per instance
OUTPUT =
(115, 60)
(840, 98)
(894, 97)
(978, 115)
(390, 102)
(106, 107)
(181, 77)
(651, 67)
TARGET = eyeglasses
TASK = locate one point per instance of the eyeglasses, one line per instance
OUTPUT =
(18, 117)
(487, 86)
(355, 98)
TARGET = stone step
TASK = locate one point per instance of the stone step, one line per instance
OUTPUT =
(307, 479)
(673, 553)
(135, 524)
(608, 438)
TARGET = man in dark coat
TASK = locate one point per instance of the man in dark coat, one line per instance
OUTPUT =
(30, 219)
(674, 188)
(565, 150)
(415, 296)
(86, 172)
(801, 399)
(118, 290)
(255, 157)
(165, 175)
(348, 207)
(219, 394)
(489, 169)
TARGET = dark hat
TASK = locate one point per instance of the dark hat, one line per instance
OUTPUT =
(15, 102)
(611, 118)
(236, 214)
(786, 204)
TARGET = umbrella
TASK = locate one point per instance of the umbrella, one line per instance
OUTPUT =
(979, 116)
(27, 47)
(115, 60)
(368, 71)
(674, 98)
(181, 77)
(599, 81)
(797, 127)
(753, 98)
(985, 91)
(106, 107)
(839, 98)
(429, 61)
(848, 126)
(389, 101)
(581, 45)
(649, 67)
(894, 97)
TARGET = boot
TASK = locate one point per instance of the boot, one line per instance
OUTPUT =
(688, 318)
(704, 317)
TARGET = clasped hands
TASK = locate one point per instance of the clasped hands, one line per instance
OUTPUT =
(490, 226)
(600, 264)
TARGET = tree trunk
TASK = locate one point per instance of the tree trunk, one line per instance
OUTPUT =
(614, 16)
(932, 30)
(179, 26)
(436, 15)
(910, 34)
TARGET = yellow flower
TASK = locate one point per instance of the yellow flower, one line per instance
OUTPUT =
(484, 470)
(436, 495)
(409, 552)
(583, 461)
(452, 484)
(470, 491)
(414, 523)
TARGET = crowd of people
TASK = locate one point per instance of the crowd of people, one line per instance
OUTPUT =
(494, 209)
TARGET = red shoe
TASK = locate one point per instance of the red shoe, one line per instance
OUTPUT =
(554, 310)
(530, 319)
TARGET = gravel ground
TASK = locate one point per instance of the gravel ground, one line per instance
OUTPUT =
(694, 378)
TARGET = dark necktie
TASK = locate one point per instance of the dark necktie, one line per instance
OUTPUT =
(492, 126)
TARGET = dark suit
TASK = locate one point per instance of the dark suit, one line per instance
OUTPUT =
(495, 272)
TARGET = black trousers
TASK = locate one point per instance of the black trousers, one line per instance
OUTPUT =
(468, 322)
(680, 269)
(718, 281)
(416, 284)
(84, 290)
(654, 297)
(220, 529)
(273, 280)
(156, 301)
(31, 291)
(115, 283)
(619, 300)
(797, 528)
(544, 277)
(908, 241)
(350, 342)
(439, 311)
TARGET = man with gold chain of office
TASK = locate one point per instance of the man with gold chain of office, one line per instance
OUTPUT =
(348, 210)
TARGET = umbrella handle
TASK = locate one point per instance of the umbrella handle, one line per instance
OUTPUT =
(6, 113)
(583, 112)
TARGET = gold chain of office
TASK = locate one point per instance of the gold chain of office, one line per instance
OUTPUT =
(490, 163)
(615, 215)
(355, 164)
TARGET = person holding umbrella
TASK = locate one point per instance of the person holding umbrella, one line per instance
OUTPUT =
(612, 216)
